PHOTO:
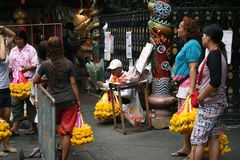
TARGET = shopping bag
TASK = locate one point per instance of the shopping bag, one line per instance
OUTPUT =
(20, 87)
(183, 121)
(103, 108)
(134, 112)
(82, 133)
(194, 98)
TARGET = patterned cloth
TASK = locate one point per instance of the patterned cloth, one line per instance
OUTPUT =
(27, 57)
(207, 123)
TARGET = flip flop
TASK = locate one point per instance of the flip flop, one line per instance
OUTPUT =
(3, 154)
(9, 149)
(15, 134)
(179, 154)
(187, 158)
(30, 132)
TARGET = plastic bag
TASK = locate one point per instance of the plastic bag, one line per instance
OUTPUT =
(134, 112)
(20, 87)
(82, 133)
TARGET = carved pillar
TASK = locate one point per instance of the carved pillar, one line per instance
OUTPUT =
(160, 31)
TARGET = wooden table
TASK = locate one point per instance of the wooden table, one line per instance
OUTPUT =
(141, 85)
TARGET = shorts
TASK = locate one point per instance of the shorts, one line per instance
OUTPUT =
(5, 98)
(183, 89)
(66, 119)
(207, 123)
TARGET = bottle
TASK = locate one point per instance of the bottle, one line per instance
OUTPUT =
(153, 113)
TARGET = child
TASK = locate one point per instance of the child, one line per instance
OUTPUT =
(42, 56)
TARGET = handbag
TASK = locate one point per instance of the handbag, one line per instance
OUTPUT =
(199, 80)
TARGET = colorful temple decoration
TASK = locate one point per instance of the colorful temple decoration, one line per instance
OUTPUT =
(160, 30)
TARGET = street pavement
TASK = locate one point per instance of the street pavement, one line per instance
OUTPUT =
(110, 144)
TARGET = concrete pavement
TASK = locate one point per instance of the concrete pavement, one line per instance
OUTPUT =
(112, 145)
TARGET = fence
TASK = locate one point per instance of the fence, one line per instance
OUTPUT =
(228, 18)
(46, 117)
(38, 32)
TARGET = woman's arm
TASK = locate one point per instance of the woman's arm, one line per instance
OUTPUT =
(36, 79)
(10, 34)
(2, 49)
(75, 89)
(32, 68)
(193, 66)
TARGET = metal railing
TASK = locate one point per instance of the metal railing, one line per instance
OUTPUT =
(47, 125)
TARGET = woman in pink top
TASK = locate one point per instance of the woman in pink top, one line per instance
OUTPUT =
(22, 58)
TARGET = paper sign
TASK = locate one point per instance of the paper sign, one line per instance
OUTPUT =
(142, 60)
(129, 44)
(227, 39)
(107, 46)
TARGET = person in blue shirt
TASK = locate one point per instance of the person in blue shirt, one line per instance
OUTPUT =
(185, 71)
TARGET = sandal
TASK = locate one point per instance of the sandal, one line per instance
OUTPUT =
(15, 134)
(3, 154)
(179, 154)
(59, 147)
(30, 132)
(9, 149)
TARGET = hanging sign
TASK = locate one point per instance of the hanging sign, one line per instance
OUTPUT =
(129, 44)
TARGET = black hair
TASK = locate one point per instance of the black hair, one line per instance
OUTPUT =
(42, 50)
(215, 32)
(21, 34)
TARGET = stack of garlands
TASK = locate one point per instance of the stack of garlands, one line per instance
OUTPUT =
(4, 130)
(224, 148)
(183, 120)
(103, 108)
(82, 133)
(20, 90)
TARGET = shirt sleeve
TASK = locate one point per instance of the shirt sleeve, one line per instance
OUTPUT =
(72, 72)
(41, 69)
(34, 58)
(215, 69)
(193, 52)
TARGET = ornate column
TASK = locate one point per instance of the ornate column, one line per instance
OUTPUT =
(160, 30)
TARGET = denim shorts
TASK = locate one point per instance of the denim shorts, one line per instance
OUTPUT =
(5, 98)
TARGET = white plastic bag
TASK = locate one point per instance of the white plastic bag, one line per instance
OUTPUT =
(134, 112)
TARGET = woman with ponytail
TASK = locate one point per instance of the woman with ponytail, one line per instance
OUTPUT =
(212, 95)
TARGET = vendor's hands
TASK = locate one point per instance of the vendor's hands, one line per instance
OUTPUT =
(99, 83)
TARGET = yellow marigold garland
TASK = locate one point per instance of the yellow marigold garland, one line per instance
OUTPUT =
(224, 148)
(20, 90)
(4, 130)
(103, 108)
(183, 122)
(82, 133)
